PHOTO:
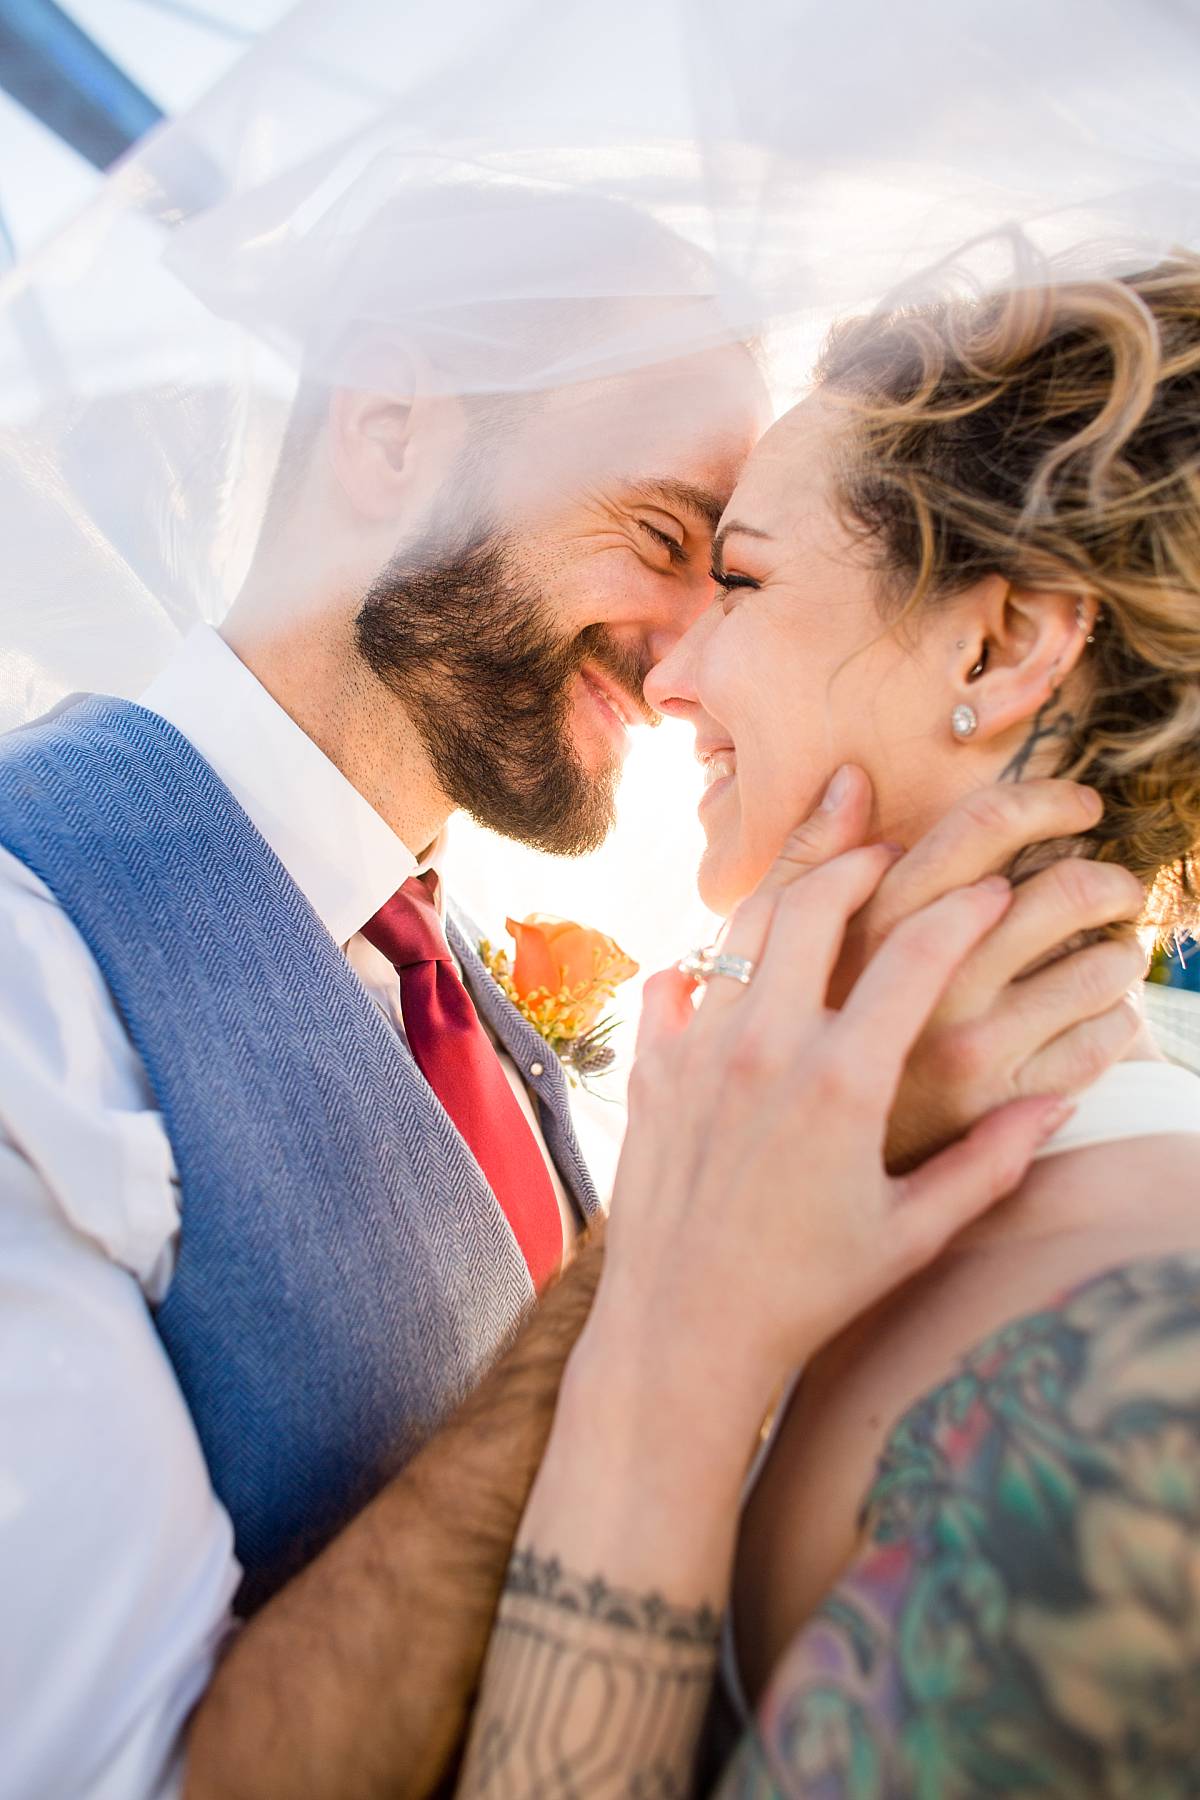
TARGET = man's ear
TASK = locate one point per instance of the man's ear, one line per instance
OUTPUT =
(391, 441)
(371, 438)
(1020, 646)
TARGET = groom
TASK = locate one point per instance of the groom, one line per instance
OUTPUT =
(282, 1169)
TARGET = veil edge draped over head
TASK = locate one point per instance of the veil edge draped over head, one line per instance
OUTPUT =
(500, 198)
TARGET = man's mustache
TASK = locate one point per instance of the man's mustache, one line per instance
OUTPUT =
(624, 666)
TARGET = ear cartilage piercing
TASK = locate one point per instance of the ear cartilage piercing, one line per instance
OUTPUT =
(964, 721)
(1082, 622)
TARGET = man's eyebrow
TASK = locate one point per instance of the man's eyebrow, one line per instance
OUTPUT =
(733, 526)
(701, 502)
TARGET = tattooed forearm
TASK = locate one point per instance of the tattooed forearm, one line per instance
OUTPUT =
(1024, 1616)
(1045, 728)
(589, 1692)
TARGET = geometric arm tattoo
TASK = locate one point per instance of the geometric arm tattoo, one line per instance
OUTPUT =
(1023, 1617)
(588, 1691)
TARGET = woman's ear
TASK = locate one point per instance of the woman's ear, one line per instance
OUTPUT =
(1020, 646)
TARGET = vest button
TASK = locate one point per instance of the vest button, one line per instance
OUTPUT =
(536, 1069)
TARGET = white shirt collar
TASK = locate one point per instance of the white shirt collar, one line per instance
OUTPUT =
(342, 856)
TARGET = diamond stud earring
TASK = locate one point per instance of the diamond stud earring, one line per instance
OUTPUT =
(964, 722)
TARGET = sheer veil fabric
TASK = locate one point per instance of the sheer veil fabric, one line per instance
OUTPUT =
(497, 197)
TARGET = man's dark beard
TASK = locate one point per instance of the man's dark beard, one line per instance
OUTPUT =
(474, 658)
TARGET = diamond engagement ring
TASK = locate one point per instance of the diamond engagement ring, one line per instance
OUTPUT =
(702, 965)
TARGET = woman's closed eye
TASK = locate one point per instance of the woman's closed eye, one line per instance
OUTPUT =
(727, 581)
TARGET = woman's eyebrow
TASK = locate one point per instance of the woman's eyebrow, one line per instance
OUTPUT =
(735, 526)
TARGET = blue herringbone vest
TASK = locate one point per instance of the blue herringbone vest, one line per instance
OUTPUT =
(344, 1271)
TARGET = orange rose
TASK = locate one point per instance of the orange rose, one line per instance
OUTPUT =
(563, 960)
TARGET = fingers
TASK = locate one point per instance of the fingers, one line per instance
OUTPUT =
(1033, 1012)
(667, 1008)
(1079, 1056)
(794, 950)
(990, 1051)
(838, 825)
(1047, 911)
(979, 836)
(893, 999)
(952, 1189)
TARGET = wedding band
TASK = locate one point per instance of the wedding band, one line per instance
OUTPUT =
(702, 965)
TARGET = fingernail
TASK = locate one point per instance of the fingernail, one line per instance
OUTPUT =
(994, 884)
(1054, 1118)
(837, 790)
(1095, 801)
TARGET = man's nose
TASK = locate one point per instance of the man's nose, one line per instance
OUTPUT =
(688, 606)
(670, 685)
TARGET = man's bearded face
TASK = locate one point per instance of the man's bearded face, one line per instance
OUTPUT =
(488, 680)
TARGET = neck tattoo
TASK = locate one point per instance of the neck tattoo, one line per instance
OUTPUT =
(1043, 730)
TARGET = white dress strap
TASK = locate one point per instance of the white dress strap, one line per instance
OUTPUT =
(1130, 1100)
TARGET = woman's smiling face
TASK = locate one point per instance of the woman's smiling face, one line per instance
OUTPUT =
(793, 670)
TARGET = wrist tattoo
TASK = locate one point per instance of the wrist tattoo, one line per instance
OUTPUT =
(543, 1578)
(590, 1690)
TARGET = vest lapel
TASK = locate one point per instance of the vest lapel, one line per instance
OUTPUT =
(527, 1048)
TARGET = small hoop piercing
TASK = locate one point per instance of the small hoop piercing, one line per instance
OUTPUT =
(964, 721)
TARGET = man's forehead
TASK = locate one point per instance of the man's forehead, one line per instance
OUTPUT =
(664, 436)
(694, 436)
(713, 391)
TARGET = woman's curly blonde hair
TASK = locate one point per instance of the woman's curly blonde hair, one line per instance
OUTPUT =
(1052, 436)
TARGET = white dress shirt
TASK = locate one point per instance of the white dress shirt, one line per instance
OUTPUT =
(117, 1567)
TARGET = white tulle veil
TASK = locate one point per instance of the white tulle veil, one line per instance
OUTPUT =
(533, 193)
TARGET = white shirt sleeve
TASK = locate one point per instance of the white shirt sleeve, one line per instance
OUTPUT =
(117, 1568)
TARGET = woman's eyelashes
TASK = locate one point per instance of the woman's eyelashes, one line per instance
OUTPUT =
(727, 581)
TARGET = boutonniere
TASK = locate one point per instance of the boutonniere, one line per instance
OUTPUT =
(561, 978)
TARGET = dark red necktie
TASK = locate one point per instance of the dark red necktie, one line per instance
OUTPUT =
(457, 1059)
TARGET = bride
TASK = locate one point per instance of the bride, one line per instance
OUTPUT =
(968, 1560)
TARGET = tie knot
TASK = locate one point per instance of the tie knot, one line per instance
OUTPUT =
(407, 928)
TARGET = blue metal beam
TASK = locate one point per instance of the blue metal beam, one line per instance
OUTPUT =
(56, 72)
